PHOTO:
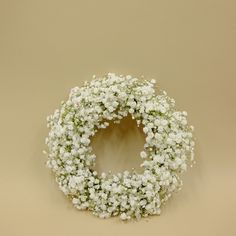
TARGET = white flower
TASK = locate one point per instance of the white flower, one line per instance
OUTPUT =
(164, 122)
(69, 169)
(123, 216)
(103, 175)
(145, 130)
(143, 154)
(75, 201)
(131, 110)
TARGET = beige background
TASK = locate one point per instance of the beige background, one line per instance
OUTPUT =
(49, 46)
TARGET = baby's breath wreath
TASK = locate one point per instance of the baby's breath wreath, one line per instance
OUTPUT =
(168, 149)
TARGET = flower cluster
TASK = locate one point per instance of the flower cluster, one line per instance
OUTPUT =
(168, 148)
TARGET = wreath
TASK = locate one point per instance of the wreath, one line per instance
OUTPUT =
(169, 147)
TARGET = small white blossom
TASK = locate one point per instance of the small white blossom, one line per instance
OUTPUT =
(143, 154)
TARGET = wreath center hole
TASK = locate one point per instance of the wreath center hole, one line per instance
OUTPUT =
(117, 148)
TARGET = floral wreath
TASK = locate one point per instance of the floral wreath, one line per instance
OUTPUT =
(168, 149)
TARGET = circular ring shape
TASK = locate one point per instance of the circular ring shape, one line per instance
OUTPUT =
(168, 149)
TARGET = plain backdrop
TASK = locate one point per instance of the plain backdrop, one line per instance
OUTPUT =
(50, 46)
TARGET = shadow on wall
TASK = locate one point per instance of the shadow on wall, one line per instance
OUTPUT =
(117, 148)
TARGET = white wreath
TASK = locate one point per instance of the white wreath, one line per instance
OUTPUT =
(169, 145)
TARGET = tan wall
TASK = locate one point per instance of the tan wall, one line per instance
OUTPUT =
(49, 46)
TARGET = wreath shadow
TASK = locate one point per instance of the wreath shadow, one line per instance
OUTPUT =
(117, 148)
